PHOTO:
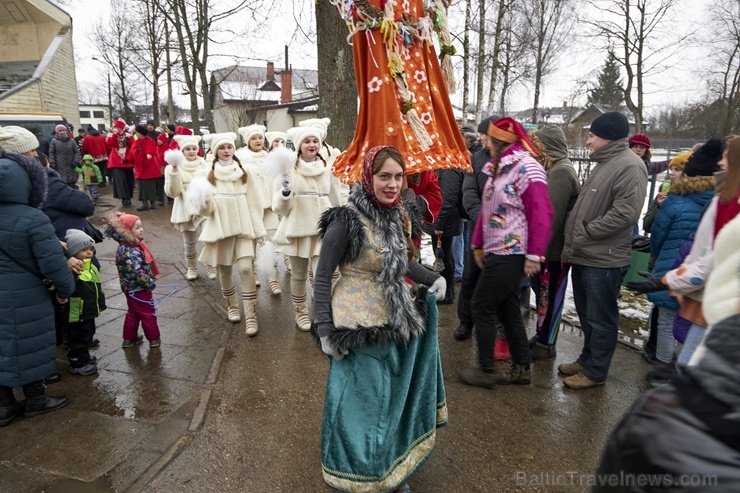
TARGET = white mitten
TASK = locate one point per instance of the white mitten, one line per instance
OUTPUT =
(285, 183)
(327, 348)
(439, 288)
(174, 157)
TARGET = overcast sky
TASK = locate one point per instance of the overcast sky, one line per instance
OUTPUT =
(293, 25)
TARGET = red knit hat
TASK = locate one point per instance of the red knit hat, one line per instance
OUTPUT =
(508, 130)
(119, 123)
(183, 131)
(640, 139)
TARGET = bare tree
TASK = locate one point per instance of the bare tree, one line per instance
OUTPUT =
(149, 49)
(466, 59)
(643, 35)
(503, 6)
(337, 100)
(113, 39)
(481, 59)
(549, 24)
(725, 62)
(194, 22)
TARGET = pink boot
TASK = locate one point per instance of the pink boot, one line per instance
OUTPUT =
(501, 350)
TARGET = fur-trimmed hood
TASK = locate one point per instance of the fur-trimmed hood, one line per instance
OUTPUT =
(119, 232)
(22, 179)
(692, 184)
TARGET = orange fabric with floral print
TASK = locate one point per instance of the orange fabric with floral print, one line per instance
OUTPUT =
(381, 120)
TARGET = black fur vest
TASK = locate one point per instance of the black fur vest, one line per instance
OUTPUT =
(405, 317)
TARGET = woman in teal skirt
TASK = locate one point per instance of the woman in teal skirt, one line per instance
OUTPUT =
(385, 395)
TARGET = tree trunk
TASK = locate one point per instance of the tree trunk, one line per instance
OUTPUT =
(337, 93)
(466, 61)
(481, 58)
(496, 53)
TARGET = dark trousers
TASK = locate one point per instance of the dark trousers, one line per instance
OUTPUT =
(160, 190)
(79, 335)
(471, 272)
(595, 292)
(497, 297)
(449, 263)
(547, 332)
(103, 166)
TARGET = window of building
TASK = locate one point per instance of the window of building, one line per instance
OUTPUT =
(98, 114)
(84, 114)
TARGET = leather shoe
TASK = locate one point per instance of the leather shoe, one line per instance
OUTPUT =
(53, 378)
(463, 332)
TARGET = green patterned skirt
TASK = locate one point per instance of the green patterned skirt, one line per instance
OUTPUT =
(382, 409)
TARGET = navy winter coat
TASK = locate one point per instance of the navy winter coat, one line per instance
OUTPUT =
(67, 208)
(675, 223)
(27, 336)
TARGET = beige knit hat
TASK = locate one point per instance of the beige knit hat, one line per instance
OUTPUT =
(215, 140)
(17, 139)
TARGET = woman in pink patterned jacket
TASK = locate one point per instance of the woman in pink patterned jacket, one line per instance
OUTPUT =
(509, 241)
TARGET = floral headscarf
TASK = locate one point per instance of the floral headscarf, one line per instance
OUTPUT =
(367, 177)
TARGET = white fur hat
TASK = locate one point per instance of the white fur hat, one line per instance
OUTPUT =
(322, 123)
(271, 136)
(214, 141)
(17, 139)
(187, 140)
(721, 297)
(251, 130)
(299, 134)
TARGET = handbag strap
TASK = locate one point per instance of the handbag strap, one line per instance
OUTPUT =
(23, 266)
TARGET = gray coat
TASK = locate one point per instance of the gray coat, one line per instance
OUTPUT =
(64, 156)
(27, 335)
(598, 232)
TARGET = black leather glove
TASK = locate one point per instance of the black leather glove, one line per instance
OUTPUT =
(650, 284)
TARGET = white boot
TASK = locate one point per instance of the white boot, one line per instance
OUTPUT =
(211, 272)
(249, 300)
(302, 319)
(192, 264)
(232, 304)
(275, 286)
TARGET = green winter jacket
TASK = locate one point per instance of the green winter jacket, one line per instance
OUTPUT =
(598, 232)
(88, 299)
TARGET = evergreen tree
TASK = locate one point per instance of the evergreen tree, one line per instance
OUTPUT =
(608, 94)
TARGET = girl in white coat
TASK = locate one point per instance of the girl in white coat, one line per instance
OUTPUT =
(227, 195)
(306, 192)
(253, 157)
(183, 165)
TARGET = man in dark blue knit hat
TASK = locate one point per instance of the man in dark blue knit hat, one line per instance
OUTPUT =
(598, 243)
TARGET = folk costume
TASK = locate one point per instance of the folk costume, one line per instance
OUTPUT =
(227, 195)
(385, 397)
(255, 160)
(403, 94)
(120, 167)
(177, 177)
(312, 189)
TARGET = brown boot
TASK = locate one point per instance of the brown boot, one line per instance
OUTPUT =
(579, 381)
(570, 368)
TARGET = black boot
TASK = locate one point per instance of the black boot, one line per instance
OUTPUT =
(144, 206)
(37, 402)
(8, 406)
(463, 331)
(153, 206)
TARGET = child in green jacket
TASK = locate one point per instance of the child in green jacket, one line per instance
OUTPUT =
(84, 306)
(91, 175)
